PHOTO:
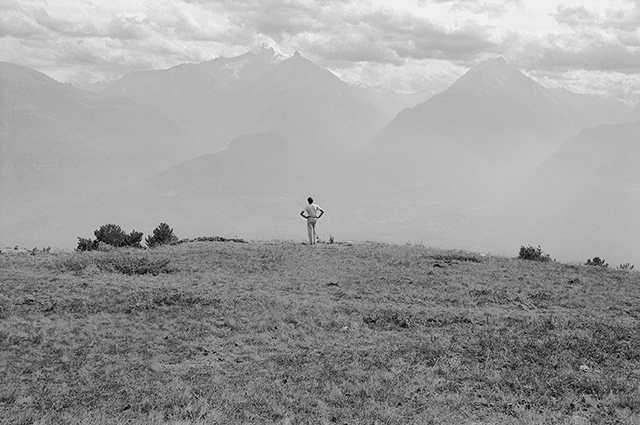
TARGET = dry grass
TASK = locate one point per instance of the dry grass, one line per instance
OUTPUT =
(278, 332)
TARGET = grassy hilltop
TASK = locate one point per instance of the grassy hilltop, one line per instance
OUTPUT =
(279, 332)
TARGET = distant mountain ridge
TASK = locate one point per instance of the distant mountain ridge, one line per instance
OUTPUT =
(309, 103)
(60, 144)
(260, 91)
(492, 116)
(585, 198)
(205, 78)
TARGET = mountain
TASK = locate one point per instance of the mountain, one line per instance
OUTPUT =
(209, 78)
(196, 96)
(450, 171)
(584, 200)
(310, 103)
(260, 91)
(493, 118)
(59, 144)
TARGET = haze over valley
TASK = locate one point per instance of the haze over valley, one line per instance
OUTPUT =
(233, 147)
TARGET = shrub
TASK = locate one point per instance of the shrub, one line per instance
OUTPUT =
(211, 239)
(626, 266)
(162, 234)
(111, 235)
(597, 261)
(114, 262)
(532, 253)
(133, 239)
(75, 263)
(87, 244)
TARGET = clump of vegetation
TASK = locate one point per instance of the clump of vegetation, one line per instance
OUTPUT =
(163, 234)
(87, 244)
(133, 265)
(114, 262)
(113, 235)
(36, 251)
(598, 262)
(533, 253)
(626, 266)
(211, 239)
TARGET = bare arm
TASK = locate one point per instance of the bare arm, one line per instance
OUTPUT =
(302, 214)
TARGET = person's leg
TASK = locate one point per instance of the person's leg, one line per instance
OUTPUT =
(310, 231)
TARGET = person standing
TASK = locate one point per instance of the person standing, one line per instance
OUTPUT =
(312, 213)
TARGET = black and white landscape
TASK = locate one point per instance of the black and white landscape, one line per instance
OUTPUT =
(233, 147)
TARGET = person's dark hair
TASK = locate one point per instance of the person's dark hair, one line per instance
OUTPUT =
(310, 200)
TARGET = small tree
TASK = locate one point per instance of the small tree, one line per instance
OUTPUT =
(87, 244)
(133, 239)
(598, 262)
(163, 234)
(111, 234)
(532, 253)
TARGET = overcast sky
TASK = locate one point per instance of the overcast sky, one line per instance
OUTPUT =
(590, 46)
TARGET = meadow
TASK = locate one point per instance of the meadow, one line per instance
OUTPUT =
(277, 332)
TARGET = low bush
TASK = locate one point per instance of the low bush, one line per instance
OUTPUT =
(533, 253)
(75, 263)
(114, 262)
(597, 261)
(211, 239)
(87, 244)
(626, 266)
(133, 265)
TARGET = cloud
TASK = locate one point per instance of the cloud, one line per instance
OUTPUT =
(607, 40)
(130, 26)
(575, 16)
(478, 7)
(349, 31)
(14, 22)
(598, 55)
(65, 26)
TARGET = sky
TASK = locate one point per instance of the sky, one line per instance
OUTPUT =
(589, 46)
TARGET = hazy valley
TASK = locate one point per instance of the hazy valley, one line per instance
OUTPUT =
(234, 146)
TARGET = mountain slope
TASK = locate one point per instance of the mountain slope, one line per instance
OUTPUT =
(196, 96)
(308, 102)
(60, 144)
(492, 117)
(260, 91)
(195, 79)
(585, 199)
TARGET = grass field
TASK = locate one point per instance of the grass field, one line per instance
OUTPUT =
(285, 333)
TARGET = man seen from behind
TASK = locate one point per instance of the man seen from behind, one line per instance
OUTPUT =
(312, 213)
